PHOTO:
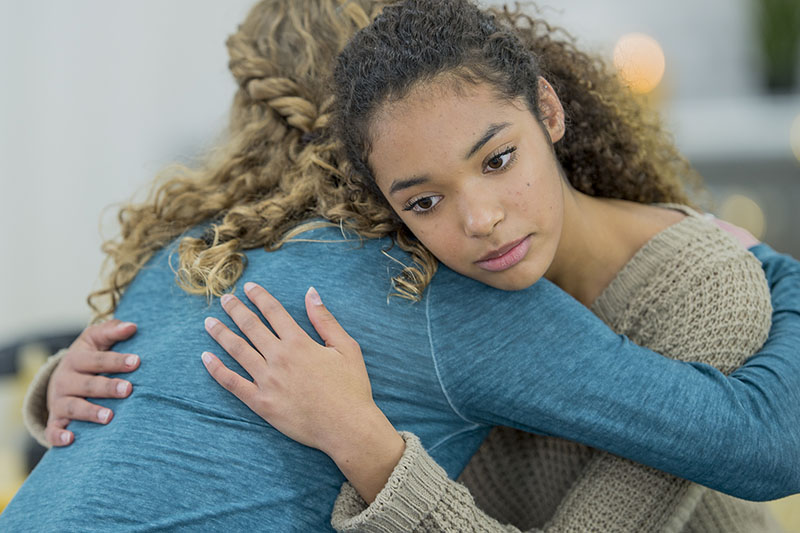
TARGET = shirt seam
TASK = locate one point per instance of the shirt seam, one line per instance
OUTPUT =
(436, 365)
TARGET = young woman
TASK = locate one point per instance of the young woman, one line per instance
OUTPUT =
(453, 118)
(280, 169)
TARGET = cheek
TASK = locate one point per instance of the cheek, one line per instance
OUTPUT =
(436, 236)
(538, 198)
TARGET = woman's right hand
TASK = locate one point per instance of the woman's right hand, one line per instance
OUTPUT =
(318, 395)
(75, 379)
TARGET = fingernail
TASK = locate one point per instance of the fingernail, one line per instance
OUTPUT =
(206, 358)
(226, 298)
(313, 295)
(131, 360)
(210, 322)
(103, 415)
(249, 286)
(125, 325)
(122, 388)
(64, 437)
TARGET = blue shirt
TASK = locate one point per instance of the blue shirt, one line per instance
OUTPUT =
(184, 454)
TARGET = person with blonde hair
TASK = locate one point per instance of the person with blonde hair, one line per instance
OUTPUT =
(183, 454)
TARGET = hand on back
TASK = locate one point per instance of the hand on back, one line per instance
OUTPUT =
(310, 392)
(76, 378)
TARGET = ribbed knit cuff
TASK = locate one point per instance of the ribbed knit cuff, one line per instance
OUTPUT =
(412, 492)
(34, 405)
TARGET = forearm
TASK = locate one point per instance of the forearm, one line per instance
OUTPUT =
(739, 434)
(742, 434)
(34, 406)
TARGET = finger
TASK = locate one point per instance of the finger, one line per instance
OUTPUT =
(324, 322)
(251, 360)
(231, 381)
(249, 323)
(91, 386)
(74, 408)
(280, 320)
(103, 336)
(56, 434)
(99, 362)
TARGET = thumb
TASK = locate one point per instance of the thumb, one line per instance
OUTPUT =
(323, 321)
(103, 336)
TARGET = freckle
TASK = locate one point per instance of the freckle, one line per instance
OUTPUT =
(528, 184)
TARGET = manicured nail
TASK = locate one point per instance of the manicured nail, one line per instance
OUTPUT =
(131, 360)
(226, 298)
(103, 415)
(210, 322)
(64, 437)
(249, 286)
(206, 358)
(313, 295)
(122, 388)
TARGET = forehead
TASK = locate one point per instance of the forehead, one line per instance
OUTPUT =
(437, 98)
(436, 122)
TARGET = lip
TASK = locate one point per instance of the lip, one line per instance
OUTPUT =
(506, 256)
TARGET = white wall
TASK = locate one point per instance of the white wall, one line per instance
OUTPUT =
(97, 95)
(708, 44)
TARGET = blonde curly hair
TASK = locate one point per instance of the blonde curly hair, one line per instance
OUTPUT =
(277, 170)
(281, 166)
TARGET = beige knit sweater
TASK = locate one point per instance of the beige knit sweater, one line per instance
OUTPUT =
(691, 293)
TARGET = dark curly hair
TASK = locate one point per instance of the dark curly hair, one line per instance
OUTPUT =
(613, 147)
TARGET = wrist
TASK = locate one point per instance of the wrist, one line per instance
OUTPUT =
(369, 454)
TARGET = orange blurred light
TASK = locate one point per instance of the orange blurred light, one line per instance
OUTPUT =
(745, 212)
(639, 61)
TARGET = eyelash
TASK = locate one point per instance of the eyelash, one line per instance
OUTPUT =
(410, 206)
(415, 202)
(511, 160)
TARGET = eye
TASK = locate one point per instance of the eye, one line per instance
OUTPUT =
(423, 205)
(500, 161)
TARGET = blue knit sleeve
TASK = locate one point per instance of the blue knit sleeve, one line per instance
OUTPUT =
(567, 374)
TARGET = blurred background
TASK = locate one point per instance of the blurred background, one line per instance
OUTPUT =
(98, 95)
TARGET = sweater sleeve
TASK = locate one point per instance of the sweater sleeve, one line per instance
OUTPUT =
(34, 405)
(417, 497)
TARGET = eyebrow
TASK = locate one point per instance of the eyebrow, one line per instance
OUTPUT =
(398, 185)
(491, 131)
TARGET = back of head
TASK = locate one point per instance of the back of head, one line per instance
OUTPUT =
(277, 167)
(282, 55)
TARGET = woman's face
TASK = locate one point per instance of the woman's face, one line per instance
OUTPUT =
(474, 177)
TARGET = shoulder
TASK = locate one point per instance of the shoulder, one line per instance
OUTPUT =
(692, 292)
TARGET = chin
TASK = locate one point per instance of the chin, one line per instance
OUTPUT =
(517, 283)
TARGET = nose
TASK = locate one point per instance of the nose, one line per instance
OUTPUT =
(481, 213)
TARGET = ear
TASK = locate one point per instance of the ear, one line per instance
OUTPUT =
(551, 111)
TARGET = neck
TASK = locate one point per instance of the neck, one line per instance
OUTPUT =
(591, 250)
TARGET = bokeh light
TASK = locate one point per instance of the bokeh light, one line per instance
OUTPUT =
(640, 62)
(745, 212)
(794, 137)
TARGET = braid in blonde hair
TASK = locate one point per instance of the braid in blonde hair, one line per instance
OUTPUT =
(279, 168)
